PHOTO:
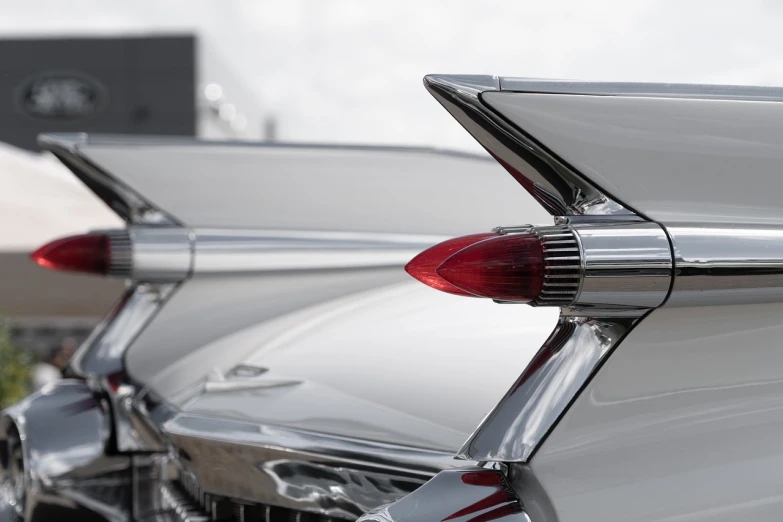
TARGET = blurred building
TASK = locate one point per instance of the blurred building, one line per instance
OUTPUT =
(143, 84)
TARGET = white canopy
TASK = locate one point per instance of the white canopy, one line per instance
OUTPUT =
(41, 200)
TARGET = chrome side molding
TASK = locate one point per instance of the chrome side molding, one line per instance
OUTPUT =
(729, 264)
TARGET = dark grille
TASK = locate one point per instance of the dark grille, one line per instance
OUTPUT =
(189, 503)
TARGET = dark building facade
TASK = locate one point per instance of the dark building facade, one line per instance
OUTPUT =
(136, 85)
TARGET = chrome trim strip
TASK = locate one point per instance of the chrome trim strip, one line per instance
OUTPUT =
(120, 262)
(653, 90)
(220, 251)
(562, 266)
(729, 264)
(556, 185)
(296, 469)
(530, 409)
(75, 140)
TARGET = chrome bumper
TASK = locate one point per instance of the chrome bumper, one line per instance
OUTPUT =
(55, 463)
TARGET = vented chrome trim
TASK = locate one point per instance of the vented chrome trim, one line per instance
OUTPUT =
(562, 266)
(603, 269)
(120, 261)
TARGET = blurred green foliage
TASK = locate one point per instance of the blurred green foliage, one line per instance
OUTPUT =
(15, 366)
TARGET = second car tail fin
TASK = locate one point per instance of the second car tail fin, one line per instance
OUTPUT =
(126, 202)
(200, 208)
(652, 151)
(187, 182)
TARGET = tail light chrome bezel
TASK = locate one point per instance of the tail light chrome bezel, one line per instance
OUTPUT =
(598, 269)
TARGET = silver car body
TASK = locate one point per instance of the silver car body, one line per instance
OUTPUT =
(272, 355)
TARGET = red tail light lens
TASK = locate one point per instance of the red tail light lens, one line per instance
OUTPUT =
(506, 268)
(423, 267)
(89, 253)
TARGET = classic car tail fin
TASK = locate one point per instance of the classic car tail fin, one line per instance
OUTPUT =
(331, 188)
(209, 208)
(199, 212)
(628, 172)
(650, 150)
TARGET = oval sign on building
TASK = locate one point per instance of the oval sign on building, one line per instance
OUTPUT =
(61, 96)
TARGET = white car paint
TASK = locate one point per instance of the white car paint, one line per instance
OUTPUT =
(683, 423)
(686, 160)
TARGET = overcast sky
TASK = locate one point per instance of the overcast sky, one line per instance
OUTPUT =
(351, 70)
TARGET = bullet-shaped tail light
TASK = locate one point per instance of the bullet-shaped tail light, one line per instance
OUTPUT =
(507, 268)
(101, 253)
(423, 267)
(539, 265)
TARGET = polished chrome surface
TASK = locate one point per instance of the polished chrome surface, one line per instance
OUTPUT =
(161, 254)
(221, 251)
(461, 495)
(103, 351)
(625, 266)
(334, 476)
(654, 90)
(555, 184)
(603, 268)
(63, 432)
(726, 264)
(530, 409)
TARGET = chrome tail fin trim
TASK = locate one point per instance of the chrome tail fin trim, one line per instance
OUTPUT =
(520, 422)
(552, 182)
